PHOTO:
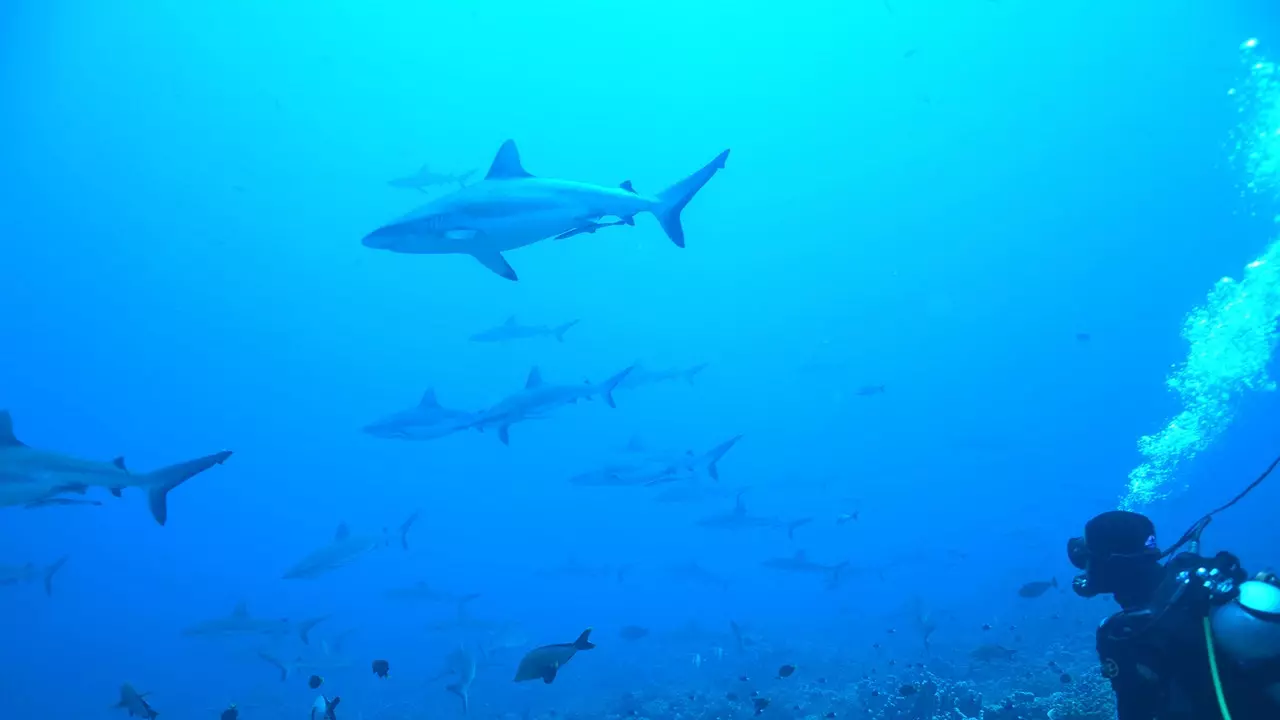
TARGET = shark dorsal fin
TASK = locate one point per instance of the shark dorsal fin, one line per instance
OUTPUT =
(241, 610)
(534, 379)
(119, 463)
(510, 321)
(429, 399)
(626, 185)
(342, 533)
(739, 507)
(7, 438)
(506, 165)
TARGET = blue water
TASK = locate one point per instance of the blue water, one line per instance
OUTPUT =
(934, 197)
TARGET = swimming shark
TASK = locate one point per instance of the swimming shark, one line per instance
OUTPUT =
(693, 572)
(29, 573)
(427, 420)
(740, 519)
(425, 177)
(462, 664)
(134, 703)
(643, 376)
(511, 208)
(29, 475)
(324, 659)
(344, 549)
(513, 330)
(800, 563)
(538, 398)
(421, 592)
(239, 622)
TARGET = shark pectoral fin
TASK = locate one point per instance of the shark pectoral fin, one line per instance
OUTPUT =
(504, 434)
(493, 260)
(115, 491)
(119, 462)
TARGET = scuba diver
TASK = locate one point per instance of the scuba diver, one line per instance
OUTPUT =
(1195, 638)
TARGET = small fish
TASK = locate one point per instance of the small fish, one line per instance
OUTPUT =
(822, 681)
(1066, 679)
(744, 678)
(760, 704)
(869, 390)
(1037, 588)
(545, 662)
(986, 627)
(731, 696)
(908, 690)
(830, 714)
(315, 681)
(893, 662)
(1083, 337)
(633, 632)
(230, 713)
(381, 668)
(991, 653)
(847, 517)
(786, 671)
(697, 660)
(891, 631)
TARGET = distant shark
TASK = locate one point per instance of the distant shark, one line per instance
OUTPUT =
(801, 564)
(427, 420)
(323, 660)
(538, 398)
(740, 519)
(135, 703)
(643, 376)
(29, 475)
(511, 208)
(344, 549)
(513, 330)
(640, 468)
(239, 622)
(29, 573)
(426, 177)
(462, 665)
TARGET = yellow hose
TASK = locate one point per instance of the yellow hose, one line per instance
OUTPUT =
(1213, 669)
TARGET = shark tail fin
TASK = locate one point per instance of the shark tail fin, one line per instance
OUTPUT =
(562, 329)
(693, 372)
(833, 581)
(277, 664)
(160, 482)
(791, 526)
(306, 626)
(52, 570)
(584, 641)
(672, 200)
(612, 384)
(405, 527)
(717, 452)
(461, 691)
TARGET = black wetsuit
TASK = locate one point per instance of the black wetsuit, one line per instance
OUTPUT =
(1157, 657)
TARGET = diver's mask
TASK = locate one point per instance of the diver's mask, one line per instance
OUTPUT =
(1079, 555)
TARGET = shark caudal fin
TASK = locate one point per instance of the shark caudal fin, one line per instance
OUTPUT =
(52, 570)
(714, 454)
(584, 641)
(560, 330)
(612, 384)
(791, 526)
(160, 482)
(460, 689)
(406, 526)
(672, 200)
(306, 626)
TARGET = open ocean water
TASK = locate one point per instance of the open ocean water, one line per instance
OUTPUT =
(377, 350)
